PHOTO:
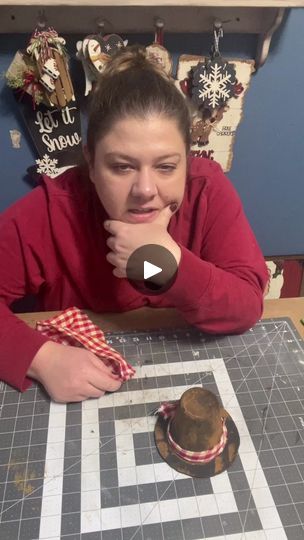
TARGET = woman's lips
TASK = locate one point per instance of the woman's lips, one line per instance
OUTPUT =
(142, 210)
(142, 215)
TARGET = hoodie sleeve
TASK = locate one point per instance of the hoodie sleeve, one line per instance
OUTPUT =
(20, 274)
(221, 289)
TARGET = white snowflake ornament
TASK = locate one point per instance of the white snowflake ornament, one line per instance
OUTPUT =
(213, 83)
(47, 166)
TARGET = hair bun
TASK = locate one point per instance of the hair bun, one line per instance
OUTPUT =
(134, 57)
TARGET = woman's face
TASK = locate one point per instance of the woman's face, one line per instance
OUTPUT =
(139, 168)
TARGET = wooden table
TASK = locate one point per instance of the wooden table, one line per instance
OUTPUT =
(144, 318)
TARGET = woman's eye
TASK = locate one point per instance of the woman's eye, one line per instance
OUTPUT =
(167, 168)
(121, 167)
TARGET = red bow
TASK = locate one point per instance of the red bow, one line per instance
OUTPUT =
(30, 80)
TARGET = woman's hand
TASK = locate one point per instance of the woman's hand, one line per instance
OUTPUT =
(71, 373)
(127, 237)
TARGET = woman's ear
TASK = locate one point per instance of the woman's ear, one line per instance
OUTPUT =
(89, 161)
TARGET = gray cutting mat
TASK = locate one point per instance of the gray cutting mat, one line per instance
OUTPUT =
(73, 471)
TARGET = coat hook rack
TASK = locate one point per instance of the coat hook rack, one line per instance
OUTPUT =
(260, 17)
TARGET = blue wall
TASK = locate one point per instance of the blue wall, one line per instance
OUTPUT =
(268, 164)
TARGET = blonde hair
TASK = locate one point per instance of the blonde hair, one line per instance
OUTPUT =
(132, 84)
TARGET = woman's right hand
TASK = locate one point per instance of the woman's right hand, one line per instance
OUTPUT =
(71, 373)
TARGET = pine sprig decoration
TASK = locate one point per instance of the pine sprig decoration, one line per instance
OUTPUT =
(15, 82)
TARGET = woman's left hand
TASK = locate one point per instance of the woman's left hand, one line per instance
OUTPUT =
(127, 237)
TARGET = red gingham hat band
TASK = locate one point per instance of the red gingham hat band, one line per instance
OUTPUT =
(167, 410)
(73, 327)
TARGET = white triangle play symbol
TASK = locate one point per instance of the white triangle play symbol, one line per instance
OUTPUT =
(151, 270)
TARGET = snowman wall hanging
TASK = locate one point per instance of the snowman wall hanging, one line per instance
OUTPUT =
(40, 78)
(94, 51)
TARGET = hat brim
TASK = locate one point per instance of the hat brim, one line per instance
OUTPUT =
(199, 470)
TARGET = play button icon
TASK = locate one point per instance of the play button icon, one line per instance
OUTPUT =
(151, 269)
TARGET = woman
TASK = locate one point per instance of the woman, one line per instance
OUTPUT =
(69, 240)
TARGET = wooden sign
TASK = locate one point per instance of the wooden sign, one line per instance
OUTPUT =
(56, 133)
(217, 142)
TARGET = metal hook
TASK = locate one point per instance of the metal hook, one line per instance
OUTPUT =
(218, 25)
(101, 26)
(41, 19)
(159, 25)
(218, 33)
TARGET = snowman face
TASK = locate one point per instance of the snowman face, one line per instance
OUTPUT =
(95, 54)
(99, 49)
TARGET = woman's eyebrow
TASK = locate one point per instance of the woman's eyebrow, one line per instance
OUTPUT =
(119, 155)
(130, 158)
(166, 156)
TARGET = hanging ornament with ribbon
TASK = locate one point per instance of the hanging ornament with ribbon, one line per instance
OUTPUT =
(39, 76)
(41, 71)
(213, 81)
(157, 52)
(95, 51)
(212, 84)
(47, 51)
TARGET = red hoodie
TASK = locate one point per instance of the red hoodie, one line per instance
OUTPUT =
(53, 245)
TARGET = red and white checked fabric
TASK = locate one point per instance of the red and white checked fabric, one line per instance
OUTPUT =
(73, 327)
(167, 410)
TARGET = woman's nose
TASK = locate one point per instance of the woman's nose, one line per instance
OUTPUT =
(144, 184)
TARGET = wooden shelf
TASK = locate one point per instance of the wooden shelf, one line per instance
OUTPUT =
(77, 18)
(155, 3)
(83, 17)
